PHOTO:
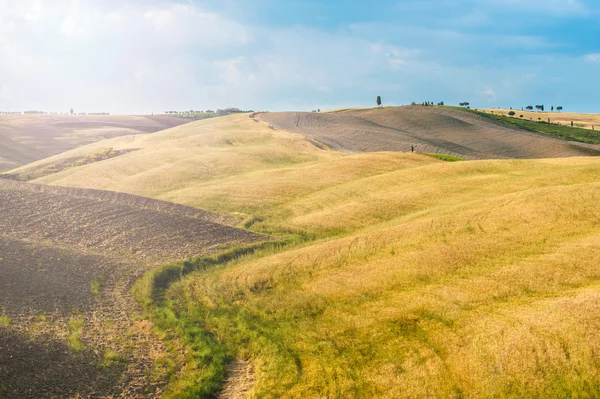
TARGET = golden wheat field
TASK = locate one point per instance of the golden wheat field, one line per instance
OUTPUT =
(474, 279)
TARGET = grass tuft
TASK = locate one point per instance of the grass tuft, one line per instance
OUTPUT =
(5, 321)
(444, 157)
(75, 328)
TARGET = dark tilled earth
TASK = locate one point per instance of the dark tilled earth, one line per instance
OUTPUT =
(115, 227)
(429, 129)
(28, 138)
(72, 255)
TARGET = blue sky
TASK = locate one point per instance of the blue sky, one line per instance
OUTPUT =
(146, 56)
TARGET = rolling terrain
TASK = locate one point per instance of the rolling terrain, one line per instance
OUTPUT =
(429, 129)
(28, 138)
(395, 274)
(68, 258)
(468, 279)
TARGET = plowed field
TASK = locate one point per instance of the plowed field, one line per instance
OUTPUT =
(429, 129)
(28, 138)
(67, 260)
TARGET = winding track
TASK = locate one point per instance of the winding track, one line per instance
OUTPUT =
(429, 129)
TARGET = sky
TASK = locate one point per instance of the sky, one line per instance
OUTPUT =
(145, 56)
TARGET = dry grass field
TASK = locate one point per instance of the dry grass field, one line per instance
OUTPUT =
(471, 279)
(68, 257)
(185, 158)
(28, 138)
(585, 121)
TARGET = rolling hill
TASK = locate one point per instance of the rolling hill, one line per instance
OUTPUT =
(468, 279)
(28, 138)
(430, 129)
(397, 274)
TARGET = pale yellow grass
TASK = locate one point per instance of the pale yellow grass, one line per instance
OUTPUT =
(186, 155)
(475, 279)
(581, 120)
(229, 165)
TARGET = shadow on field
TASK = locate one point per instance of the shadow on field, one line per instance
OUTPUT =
(36, 369)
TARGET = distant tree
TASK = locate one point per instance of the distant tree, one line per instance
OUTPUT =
(379, 101)
(465, 104)
(512, 113)
(319, 110)
(529, 108)
(552, 108)
(413, 103)
(559, 108)
(71, 111)
(539, 107)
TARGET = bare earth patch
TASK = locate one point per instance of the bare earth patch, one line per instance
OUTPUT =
(429, 129)
(239, 381)
(28, 138)
(68, 258)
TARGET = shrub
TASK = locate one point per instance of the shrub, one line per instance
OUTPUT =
(512, 113)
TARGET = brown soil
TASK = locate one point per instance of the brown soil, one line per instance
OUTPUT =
(429, 129)
(28, 138)
(71, 253)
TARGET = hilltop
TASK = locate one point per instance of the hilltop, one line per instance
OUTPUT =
(430, 129)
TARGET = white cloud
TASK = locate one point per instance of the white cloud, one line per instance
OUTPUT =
(592, 57)
(149, 55)
(489, 93)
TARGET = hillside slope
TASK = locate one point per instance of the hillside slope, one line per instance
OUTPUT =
(412, 277)
(429, 129)
(28, 138)
(585, 121)
(68, 258)
(184, 158)
(470, 279)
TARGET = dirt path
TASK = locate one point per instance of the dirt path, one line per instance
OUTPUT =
(239, 382)
(429, 129)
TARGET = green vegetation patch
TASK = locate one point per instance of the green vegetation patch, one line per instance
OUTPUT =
(112, 358)
(206, 355)
(444, 157)
(559, 131)
(5, 320)
(75, 328)
(96, 286)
